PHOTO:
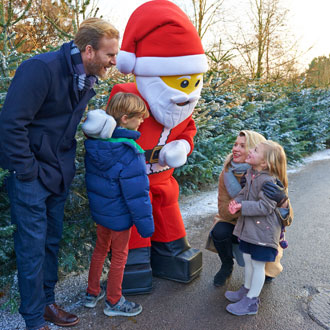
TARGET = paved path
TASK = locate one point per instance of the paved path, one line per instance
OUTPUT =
(297, 300)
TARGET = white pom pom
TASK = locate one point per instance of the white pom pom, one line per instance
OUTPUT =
(125, 62)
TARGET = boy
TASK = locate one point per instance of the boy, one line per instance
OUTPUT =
(118, 193)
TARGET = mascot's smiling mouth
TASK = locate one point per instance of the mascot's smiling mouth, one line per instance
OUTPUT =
(182, 104)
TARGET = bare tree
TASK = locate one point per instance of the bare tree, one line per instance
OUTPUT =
(203, 13)
(206, 14)
(265, 48)
(207, 17)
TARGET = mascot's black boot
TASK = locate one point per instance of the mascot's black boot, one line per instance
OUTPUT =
(225, 252)
(175, 260)
(138, 274)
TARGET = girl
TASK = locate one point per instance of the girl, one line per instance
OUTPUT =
(258, 227)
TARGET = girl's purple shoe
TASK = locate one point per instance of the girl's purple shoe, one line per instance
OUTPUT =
(246, 306)
(235, 296)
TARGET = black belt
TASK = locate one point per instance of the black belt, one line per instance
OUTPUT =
(152, 155)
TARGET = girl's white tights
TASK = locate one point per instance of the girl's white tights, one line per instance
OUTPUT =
(254, 275)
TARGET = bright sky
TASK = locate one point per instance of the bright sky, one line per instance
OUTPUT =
(308, 20)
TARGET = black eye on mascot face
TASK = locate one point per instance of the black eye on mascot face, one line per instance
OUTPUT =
(184, 84)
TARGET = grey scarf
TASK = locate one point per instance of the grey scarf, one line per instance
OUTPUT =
(83, 81)
(232, 185)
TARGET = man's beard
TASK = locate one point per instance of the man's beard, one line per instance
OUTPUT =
(163, 100)
(96, 68)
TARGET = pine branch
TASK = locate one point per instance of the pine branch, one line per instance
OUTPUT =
(65, 34)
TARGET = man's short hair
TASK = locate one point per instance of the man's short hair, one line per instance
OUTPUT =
(92, 30)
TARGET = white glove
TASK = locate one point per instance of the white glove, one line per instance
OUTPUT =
(99, 124)
(174, 154)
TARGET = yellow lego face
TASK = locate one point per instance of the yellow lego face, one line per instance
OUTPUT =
(186, 84)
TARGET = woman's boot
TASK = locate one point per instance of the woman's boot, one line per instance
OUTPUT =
(225, 252)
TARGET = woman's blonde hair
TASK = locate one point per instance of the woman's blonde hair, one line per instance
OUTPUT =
(252, 138)
(126, 104)
(92, 30)
(275, 158)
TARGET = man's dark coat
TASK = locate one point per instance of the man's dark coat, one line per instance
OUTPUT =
(39, 119)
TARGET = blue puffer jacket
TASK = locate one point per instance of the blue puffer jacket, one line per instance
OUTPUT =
(117, 183)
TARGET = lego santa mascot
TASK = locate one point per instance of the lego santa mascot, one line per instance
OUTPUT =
(161, 47)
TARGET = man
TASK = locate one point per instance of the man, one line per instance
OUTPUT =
(38, 122)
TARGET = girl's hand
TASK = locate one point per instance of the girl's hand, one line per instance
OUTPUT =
(234, 207)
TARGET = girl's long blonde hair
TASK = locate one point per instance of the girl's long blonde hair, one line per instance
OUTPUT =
(252, 138)
(275, 158)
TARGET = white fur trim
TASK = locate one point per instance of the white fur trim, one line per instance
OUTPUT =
(125, 62)
(169, 66)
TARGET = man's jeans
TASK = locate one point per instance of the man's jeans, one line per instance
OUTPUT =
(38, 215)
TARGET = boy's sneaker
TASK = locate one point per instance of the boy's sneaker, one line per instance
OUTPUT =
(91, 300)
(123, 308)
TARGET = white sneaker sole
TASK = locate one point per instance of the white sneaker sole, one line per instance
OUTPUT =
(92, 304)
(118, 313)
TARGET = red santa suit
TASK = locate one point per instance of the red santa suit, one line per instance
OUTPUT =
(162, 48)
(163, 187)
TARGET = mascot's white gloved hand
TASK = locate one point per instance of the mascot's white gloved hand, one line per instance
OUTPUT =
(99, 124)
(174, 154)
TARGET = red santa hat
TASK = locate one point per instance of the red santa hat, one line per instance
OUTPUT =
(160, 40)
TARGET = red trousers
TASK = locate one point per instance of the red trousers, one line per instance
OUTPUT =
(117, 241)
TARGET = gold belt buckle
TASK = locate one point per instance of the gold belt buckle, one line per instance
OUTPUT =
(155, 154)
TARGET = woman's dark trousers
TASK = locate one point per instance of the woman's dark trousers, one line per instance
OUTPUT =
(223, 238)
